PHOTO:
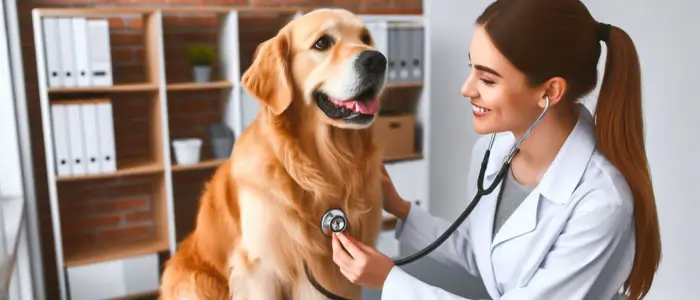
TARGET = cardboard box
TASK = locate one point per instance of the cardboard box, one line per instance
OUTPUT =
(395, 135)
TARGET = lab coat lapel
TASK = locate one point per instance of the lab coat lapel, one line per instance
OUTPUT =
(483, 234)
(522, 221)
(484, 214)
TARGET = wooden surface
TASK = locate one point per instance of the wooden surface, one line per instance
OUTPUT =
(141, 169)
(117, 88)
(193, 86)
(201, 165)
(94, 254)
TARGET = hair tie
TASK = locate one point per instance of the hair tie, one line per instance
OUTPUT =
(603, 32)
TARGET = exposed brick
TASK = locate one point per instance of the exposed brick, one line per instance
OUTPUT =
(132, 231)
(89, 223)
(119, 205)
(138, 216)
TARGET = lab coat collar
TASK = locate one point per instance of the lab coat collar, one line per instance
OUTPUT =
(567, 168)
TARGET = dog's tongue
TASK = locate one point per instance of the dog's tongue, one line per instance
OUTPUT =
(367, 107)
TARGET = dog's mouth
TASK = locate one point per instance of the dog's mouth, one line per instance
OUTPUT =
(359, 109)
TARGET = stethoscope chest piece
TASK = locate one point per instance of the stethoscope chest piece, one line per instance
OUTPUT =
(333, 221)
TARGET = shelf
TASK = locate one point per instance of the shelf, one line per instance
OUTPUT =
(118, 88)
(407, 157)
(94, 254)
(405, 84)
(194, 86)
(142, 169)
(201, 165)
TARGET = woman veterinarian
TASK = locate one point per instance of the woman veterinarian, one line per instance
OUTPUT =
(575, 217)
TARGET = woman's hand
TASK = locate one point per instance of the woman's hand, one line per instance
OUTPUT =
(393, 203)
(364, 265)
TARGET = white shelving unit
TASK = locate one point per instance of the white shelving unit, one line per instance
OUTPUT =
(110, 264)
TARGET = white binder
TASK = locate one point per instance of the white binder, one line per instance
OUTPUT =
(393, 64)
(80, 44)
(417, 44)
(76, 137)
(100, 57)
(54, 70)
(65, 28)
(403, 37)
(91, 139)
(105, 133)
(61, 147)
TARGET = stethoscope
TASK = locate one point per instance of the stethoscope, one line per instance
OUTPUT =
(335, 221)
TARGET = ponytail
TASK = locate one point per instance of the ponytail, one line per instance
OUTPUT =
(620, 135)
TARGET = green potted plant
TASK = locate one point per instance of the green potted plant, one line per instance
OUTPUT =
(201, 59)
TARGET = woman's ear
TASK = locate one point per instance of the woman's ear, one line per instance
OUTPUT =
(555, 88)
(268, 79)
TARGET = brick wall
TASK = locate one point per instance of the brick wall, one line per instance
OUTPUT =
(123, 208)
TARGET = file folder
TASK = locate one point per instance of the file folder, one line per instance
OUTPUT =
(52, 49)
(417, 44)
(105, 133)
(65, 29)
(80, 44)
(393, 64)
(76, 138)
(59, 123)
(91, 139)
(100, 57)
(404, 45)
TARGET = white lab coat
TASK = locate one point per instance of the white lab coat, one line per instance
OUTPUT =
(571, 238)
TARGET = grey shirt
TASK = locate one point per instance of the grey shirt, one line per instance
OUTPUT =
(512, 194)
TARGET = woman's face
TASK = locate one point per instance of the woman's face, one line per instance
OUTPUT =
(500, 97)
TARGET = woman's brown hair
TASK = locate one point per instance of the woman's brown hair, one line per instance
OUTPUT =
(560, 38)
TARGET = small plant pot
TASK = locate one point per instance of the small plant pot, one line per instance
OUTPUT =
(201, 74)
(187, 151)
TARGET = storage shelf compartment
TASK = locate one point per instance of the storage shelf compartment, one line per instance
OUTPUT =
(135, 169)
(410, 84)
(113, 218)
(196, 86)
(207, 164)
(95, 254)
(118, 88)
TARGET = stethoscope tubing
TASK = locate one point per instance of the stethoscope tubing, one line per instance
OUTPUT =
(480, 192)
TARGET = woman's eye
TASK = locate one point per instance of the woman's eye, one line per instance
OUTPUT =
(323, 43)
(486, 81)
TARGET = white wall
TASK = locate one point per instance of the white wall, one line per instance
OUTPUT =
(668, 45)
(10, 174)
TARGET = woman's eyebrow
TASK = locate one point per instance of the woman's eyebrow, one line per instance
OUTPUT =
(484, 68)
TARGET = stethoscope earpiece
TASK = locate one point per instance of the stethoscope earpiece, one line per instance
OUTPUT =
(333, 221)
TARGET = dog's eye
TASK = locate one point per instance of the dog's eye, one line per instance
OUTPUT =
(366, 38)
(323, 43)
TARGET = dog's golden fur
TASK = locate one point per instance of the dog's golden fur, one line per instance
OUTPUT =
(259, 215)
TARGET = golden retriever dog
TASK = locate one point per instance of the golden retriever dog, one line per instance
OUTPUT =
(310, 149)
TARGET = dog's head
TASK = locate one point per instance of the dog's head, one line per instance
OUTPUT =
(326, 61)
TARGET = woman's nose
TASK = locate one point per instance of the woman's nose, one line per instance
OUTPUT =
(468, 89)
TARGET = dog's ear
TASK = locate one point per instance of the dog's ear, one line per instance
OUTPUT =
(268, 79)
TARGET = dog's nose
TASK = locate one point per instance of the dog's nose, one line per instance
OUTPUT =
(372, 61)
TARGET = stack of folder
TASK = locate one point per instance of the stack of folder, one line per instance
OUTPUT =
(77, 52)
(403, 44)
(83, 134)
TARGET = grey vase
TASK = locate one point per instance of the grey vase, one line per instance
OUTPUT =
(202, 73)
(222, 139)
